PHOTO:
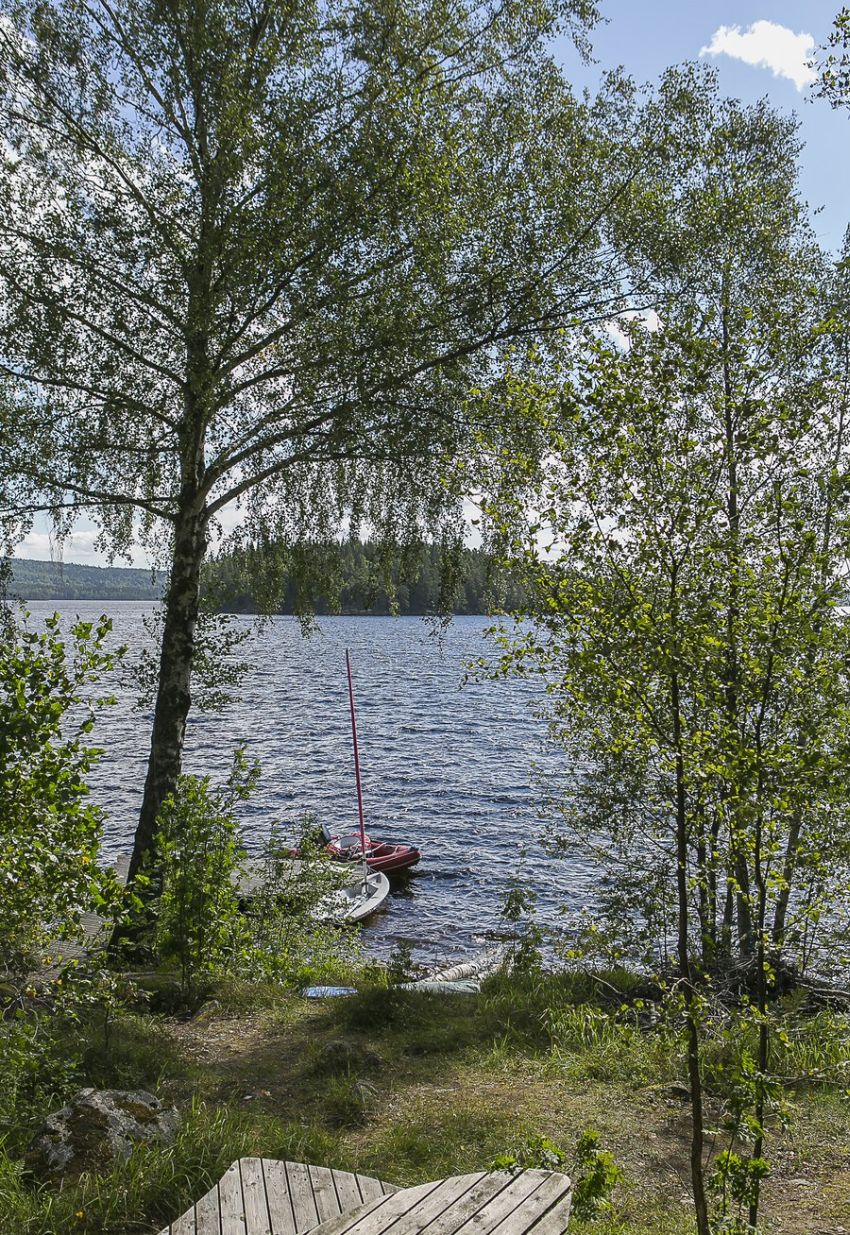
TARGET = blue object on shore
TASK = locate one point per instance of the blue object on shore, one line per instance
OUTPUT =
(323, 992)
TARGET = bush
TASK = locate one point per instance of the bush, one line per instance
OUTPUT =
(49, 833)
(212, 931)
(199, 859)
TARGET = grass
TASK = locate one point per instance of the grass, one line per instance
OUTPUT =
(411, 1087)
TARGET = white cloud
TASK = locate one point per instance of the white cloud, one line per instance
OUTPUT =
(767, 45)
(78, 547)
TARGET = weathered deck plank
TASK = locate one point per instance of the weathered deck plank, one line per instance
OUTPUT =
(232, 1206)
(279, 1200)
(347, 1190)
(548, 1200)
(254, 1197)
(208, 1213)
(324, 1192)
(301, 1191)
(470, 1205)
(415, 1213)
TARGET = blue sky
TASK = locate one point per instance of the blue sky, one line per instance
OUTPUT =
(645, 38)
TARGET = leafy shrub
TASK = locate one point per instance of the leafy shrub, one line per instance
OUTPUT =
(292, 943)
(593, 1170)
(211, 930)
(200, 856)
(49, 833)
(534, 1153)
(594, 1175)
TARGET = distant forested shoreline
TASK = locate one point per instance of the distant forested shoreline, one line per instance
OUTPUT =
(352, 578)
(36, 580)
(357, 578)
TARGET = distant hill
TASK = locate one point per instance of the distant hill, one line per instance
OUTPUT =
(33, 580)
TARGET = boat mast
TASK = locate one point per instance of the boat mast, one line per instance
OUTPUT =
(356, 762)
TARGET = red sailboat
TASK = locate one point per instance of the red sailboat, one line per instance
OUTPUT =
(357, 846)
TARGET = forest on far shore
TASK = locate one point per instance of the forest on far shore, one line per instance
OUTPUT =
(348, 578)
(358, 577)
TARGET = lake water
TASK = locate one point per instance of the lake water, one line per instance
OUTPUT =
(445, 766)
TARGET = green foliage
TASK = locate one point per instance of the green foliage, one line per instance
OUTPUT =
(49, 833)
(199, 859)
(534, 1153)
(292, 941)
(685, 484)
(315, 230)
(36, 1069)
(46, 1037)
(735, 1180)
(595, 1175)
(592, 1170)
(400, 966)
(518, 910)
(277, 933)
(49, 843)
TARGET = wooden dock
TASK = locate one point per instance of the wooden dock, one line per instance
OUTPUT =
(258, 1196)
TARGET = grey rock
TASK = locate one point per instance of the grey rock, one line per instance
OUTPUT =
(100, 1126)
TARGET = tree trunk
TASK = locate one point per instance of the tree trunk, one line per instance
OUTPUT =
(683, 918)
(175, 668)
(740, 869)
(692, 1028)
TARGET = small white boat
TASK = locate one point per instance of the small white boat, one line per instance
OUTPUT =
(358, 897)
(356, 900)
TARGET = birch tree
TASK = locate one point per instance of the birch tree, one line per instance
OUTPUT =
(690, 485)
(253, 254)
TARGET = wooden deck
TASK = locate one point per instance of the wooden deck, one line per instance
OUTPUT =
(258, 1196)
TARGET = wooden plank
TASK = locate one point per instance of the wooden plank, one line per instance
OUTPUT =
(504, 1203)
(551, 1194)
(301, 1194)
(370, 1189)
(415, 1213)
(555, 1220)
(483, 1193)
(259, 1196)
(372, 1211)
(383, 1214)
(278, 1198)
(208, 1213)
(347, 1191)
(340, 1225)
(324, 1193)
(254, 1197)
(231, 1205)
(185, 1224)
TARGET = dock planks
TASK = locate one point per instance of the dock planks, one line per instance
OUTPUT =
(259, 1196)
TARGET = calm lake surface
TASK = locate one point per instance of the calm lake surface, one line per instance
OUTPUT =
(446, 766)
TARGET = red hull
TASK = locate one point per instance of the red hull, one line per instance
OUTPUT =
(380, 855)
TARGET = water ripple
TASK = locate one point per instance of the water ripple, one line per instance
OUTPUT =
(446, 768)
